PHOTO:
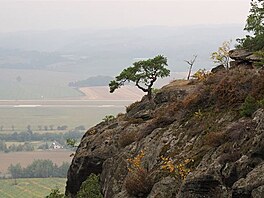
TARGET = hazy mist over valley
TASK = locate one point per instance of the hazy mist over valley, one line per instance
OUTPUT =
(107, 51)
(58, 57)
(53, 59)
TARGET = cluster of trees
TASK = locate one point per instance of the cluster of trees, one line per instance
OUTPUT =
(51, 127)
(39, 169)
(43, 128)
(15, 148)
(30, 136)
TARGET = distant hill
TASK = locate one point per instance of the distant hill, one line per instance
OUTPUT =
(21, 59)
(107, 52)
(92, 81)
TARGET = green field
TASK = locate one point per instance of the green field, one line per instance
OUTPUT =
(36, 84)
(57, 113)
(31, 91)
(30, 187)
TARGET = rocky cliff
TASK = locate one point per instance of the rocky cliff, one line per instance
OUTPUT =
(191, 141)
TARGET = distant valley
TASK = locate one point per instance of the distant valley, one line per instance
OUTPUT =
(106, 52)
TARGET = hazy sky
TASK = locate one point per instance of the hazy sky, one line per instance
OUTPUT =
(18, 15)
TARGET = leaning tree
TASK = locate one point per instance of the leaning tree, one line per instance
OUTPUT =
(143, 73)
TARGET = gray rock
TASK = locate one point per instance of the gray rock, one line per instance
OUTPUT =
(202, 187)
(258, 192)
(239, 54)
(165, 188)
(253, 180)
(218, 69)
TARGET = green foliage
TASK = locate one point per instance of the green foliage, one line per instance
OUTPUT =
(143, 73)
(155, 90)
(26, 136)
(108, 118)
(248, 107)
(255, 19)
(55, 193)
(71, 142)
(201, 75)
(254, 25)
(222, 55)
(260, 55)
(20, 147)
(31, 187)
(39, 169)
(15, 170)
(198, 114)
(261, 103)
(90, 188)
(252, 43)
(3, 146)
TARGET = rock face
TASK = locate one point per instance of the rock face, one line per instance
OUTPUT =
(243, 59)
(211, 150)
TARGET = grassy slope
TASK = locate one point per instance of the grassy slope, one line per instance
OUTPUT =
(30, 187)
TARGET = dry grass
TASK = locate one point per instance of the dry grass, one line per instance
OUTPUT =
(138, 183)
(127, 138)
(235, 86)
(215, 139)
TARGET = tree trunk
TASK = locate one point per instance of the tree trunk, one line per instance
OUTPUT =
(189, 74)
(149, 94)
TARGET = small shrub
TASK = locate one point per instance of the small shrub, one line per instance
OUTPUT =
(198, 114)
(91, 131)
(233, 87)
(138, 181)
(180, 170)
(155, 90)
(71, 142)
(132, 106)
(261, 103)
(215, 139)
(108, 118)
(248, 107)
(201, 75)
(127, 138)
(55, 193)
(90, 188)
(120, 116)
(259, 54)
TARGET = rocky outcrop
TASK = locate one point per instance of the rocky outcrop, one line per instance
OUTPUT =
(218, 68)
(243, 59)
(196, 127)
